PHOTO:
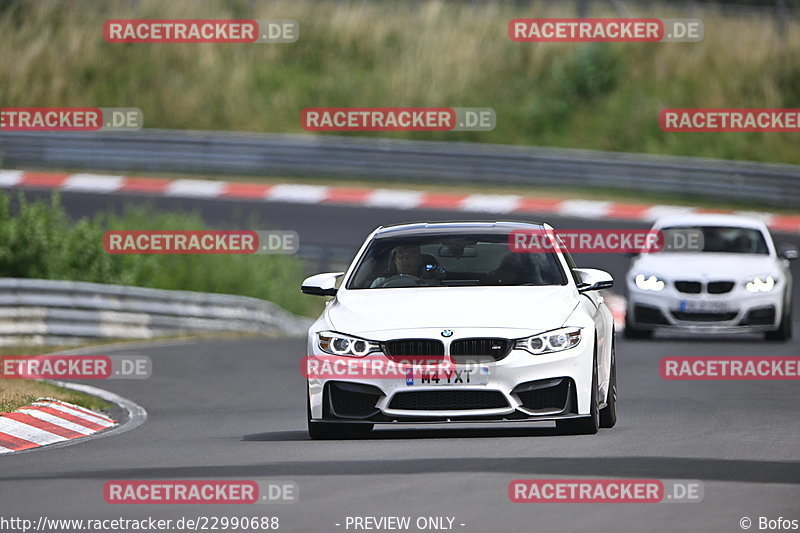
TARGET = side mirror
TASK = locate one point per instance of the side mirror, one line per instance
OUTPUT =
(321, 284)
(788, 251)
(593, 279)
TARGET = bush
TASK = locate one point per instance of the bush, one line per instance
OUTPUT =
(590, 72)
(40, 241)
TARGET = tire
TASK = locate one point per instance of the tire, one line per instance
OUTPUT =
(632, 332)
(334, 430)
(784, 331)
(608, 414)
(585, 425)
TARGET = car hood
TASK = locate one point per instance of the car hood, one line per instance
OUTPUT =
(699, 266)
(536, 308)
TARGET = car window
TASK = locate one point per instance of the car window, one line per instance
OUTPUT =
(724, 239)
(571, 264)
(452, 260)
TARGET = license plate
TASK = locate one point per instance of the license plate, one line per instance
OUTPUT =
(703, 306)
(465, 376)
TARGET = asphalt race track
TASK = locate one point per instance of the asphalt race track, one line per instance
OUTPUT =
(235, 409)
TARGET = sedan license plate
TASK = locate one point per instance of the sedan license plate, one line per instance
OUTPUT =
(703, 306)
(454, 376)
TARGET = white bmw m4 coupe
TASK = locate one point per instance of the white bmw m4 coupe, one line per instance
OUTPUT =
(735, 280)
(474, 331)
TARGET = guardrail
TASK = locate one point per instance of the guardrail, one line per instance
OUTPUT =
(366, 158)
(34, 311)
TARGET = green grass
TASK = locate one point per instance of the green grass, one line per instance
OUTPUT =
(15, 393)
(599, 96)
(38, 240)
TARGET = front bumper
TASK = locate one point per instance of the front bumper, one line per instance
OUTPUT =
(519, 387)
(735, 312)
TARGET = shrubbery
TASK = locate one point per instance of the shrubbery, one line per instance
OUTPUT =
(38, 240)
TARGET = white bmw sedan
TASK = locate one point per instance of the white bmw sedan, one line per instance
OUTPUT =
(502, 335)
(733, 280)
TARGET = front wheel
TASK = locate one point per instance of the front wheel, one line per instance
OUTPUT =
(608, 414)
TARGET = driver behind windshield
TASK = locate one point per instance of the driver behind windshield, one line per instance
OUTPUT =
(406, 261)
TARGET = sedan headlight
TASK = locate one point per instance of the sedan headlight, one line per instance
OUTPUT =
(760, 284)
(345, 345)
(550, 341)
(650, 283)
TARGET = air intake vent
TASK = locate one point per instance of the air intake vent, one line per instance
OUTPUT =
(465, 351)
(448, 400)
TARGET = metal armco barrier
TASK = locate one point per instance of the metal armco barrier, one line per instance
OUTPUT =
(34, 311)
(365, 158)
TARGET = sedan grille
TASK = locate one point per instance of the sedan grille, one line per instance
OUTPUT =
(465, 351)
(448, 400)
(689, 287)
(719, 287)
(400, 348)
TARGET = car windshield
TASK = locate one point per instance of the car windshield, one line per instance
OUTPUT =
(452, 260)
(722, 239)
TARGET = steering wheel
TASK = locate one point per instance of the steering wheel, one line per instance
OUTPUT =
(401, 280)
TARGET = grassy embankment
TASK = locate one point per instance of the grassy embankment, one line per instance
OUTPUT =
(600, 96)
(37, 240)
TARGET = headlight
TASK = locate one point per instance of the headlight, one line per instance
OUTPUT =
(345, 345)
(550, 341)
(651, 283)
(760, 284)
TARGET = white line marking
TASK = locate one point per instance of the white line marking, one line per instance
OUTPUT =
(490, 203)
(195, 188)
(10, 178)
(94, 419)
(658, 211)
(766, 217)
(398, 199)
(53, 419)
(93, 183)
(304, 194)
(29, 433)
(584, 208)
